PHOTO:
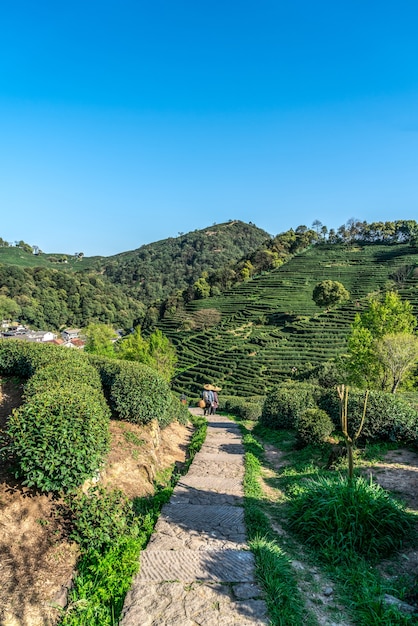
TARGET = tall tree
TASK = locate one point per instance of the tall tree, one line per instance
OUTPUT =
(397, 353)
(387, 316)
(99, 339)
(156, 352)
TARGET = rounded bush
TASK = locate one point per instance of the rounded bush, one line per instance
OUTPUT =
(139, 394)
(313, 427)
(284, 404)
(388, 417)
(70, 373)
(59, 437)
(339, 518)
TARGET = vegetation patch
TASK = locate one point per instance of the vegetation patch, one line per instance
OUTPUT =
(340, 518)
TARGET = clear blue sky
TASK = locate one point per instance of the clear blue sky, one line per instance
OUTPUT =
(127, 121)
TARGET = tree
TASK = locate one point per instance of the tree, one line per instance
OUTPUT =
(201, 288)
(9, 309)
(329, 292)
(99, 339)
(162, 353)
(397, 353)
(133, 347)
(387, 316)
(157, 352)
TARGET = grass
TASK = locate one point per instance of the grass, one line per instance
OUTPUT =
(358, 585)
(105, 576)
(273, 568)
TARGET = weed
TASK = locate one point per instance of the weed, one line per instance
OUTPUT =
(131, 437)
(340, 517)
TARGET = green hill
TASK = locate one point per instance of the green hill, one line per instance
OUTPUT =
(270, 324)
(165, 267)
(55, 290)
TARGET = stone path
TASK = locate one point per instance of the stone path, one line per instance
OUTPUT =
(197, 569)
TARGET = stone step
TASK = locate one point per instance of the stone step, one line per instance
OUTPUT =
(207, 604)
(228, 566)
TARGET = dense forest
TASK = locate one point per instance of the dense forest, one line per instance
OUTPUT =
(50, 299)
(160, 269)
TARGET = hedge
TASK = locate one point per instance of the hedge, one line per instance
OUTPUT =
(388, 417)
(59, 437)
(285, 403)
(23, 359)
(313, 427)
(77, 372)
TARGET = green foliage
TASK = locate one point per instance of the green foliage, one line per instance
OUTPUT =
(176, 411)
(102, 582)
(107, 369)
(387, 316)
(100, 517)
(245, 408)
(9, 309)
(329, 292)
(50, 298)
(341, 518)
(388, 417)
(397, 354)
(59, 437)
(313, 427)
(23, 359)
(72, 372)
(139, 394)
(99, 339)
(158, 270)
(285, 403)
(157, 351)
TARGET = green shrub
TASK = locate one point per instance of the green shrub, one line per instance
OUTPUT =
(60, 436)
(339, 519)
(245, 408)
(251, 411)
(139, 394)
(100, 517)
(23, 359)
(388, 417)
(176, 411)
(69, 373)
(284, 404)
(233, 404)
(313, 427)
(107, 369)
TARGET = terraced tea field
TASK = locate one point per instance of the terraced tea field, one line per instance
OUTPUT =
(270, 324)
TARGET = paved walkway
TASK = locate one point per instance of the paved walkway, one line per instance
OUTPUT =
(197, 569)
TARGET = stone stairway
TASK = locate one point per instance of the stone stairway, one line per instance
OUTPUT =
(197, 569)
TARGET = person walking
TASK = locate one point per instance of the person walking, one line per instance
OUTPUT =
(207, 395)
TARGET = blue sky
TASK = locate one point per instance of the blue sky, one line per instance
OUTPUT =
(125, 122)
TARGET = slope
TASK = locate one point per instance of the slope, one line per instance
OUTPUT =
(270, 325)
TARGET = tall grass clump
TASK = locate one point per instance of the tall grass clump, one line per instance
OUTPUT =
(342, 518)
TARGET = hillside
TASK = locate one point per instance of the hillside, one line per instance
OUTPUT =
(270, 324)
(55, 290)
(165, 267)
